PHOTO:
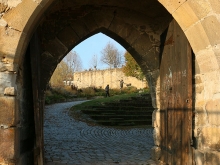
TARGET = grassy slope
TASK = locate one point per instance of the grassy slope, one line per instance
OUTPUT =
(101, 101)
(75, 111)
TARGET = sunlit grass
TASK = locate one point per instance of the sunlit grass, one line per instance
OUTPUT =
(102, 101)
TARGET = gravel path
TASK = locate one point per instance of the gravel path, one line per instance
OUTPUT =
(70, 142)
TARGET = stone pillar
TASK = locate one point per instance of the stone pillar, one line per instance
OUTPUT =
(9, 128)
(154, 85)
(207, 115)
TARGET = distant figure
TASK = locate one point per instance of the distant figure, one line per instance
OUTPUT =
(121, 83)
(107, 91)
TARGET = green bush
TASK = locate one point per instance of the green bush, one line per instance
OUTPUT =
(88, 92)
(55, 95)
(62, 94)
(54, 99)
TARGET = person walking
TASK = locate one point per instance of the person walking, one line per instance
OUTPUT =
(107, 91)
(121, 84)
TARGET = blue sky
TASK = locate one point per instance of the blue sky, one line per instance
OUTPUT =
(93, 46)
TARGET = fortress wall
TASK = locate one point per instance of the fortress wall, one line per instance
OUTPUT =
(100, 78)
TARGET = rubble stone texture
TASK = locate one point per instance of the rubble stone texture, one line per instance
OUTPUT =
(136, 25)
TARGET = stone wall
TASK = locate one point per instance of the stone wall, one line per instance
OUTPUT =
(137, 26)
(100, 78)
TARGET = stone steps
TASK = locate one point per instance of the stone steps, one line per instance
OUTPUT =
(124, 122)
(135, 111)
(122, 117)
(132, 103)
(118, 112)
(119, 107)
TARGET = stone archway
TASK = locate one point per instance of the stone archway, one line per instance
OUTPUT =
(198, 19)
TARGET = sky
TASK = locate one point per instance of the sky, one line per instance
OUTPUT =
(93, 46)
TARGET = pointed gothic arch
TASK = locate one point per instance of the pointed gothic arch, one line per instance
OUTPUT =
(133, 22)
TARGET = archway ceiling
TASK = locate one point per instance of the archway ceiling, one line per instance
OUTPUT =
(136, 25)
(145, 15)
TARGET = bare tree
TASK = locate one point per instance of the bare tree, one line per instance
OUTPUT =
(59, 75)
(74, 64)
(94, 61)
(111, 56)
(73, 61)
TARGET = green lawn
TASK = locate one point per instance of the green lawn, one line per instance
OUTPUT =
(77, 114)
(101, 101)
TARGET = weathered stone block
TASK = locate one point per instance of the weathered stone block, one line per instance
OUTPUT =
(213, 110)
(172, 5)
(215, 5)
(56, 50)
(211, 26)
(200, 7)
(212, 158)
(10, 91)
(7, 111)
(207, 61)
(199, 88)
(8, 43)
(156, 118)
(6, 66)
(197, 43)
(3, 22)
(155, 153)
(116, 26)
(6, 80)
(156, 136)
(129, 33)
(211, 84)
(80, 28)
(200, 117)
(200, 102)
(199, 157)
(13, 3)
(197, 69)
(209, 138)
(198, 80)
(144, 46)
(68, 37)
(185, 16)
(7, 149)
(3, 7)
(19, 16)
(90, 22)
(102, 19)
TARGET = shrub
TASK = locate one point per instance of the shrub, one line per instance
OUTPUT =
(88, 92)
(62, 94)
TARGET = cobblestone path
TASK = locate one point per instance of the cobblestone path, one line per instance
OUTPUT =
(70, 142)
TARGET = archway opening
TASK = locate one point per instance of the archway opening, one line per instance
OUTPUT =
(133, 21)
(113, 134)
(53, 39)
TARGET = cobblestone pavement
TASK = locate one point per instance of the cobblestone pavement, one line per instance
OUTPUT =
(70, 142)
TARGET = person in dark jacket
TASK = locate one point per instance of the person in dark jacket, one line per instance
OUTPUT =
(107, 91)
(121, 84)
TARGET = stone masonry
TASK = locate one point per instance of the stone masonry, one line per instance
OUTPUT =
(100, 78)
(54, 27)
